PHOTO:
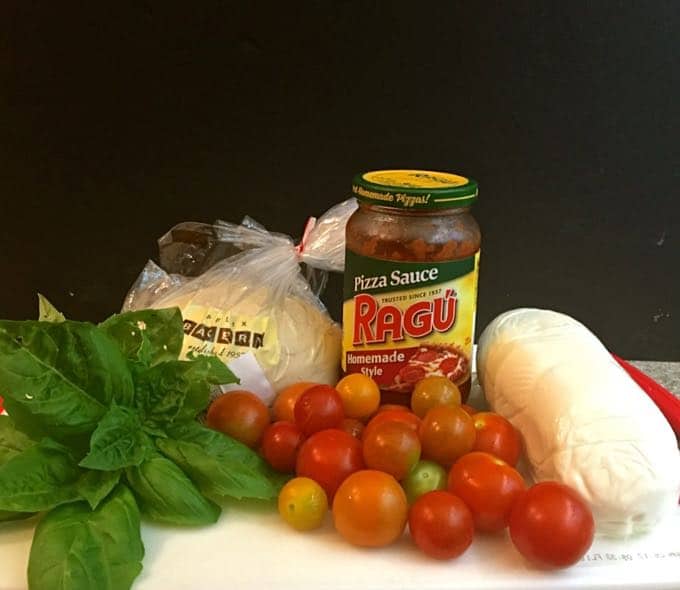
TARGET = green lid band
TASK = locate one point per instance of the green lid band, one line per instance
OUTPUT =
(414, 189)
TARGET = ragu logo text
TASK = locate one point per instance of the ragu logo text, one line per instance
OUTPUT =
(373, 323)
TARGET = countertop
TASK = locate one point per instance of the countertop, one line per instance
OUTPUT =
(666, 373)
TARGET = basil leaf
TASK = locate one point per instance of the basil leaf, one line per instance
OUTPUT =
(165, 494)
(39, 478)
(12, 441)
(94, 486)
(8, 516)
(219, 465)
(176, 391)
(59, 378)
(118, 441)
(47, 312)
(148, 336)
(76, 548)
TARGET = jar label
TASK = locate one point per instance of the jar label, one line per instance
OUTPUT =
(403, 321)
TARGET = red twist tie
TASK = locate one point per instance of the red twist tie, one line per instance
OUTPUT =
(309, 226)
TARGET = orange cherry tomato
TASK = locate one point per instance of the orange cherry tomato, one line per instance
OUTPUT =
(405, 416)
(446, 433)
(240, 414)
(360, 395)
(392, 447)
(489, 487)
(497, 436)
(370, 509)
(284, 404)
(433, 391)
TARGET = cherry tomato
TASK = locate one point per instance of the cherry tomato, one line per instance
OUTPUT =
(353, 426)
(489, 487)
(328, 457)
(284, 404)
(240, 414)
(318, 408)
(433, 391)
(469, 409)
(360, 395)
(441, 525)
(303, 503)
(385, 407)
(495, 435)
(280, 444)
(392, 447)
(405, 416)
(426, 476)
(551, 525)
(446, 433)
(370, 509)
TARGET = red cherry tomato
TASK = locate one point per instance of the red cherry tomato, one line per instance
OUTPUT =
(284, 404)
(446, 433)
(495, 435)
(392, 447)
(469, 409)
(280, 445)
(385, 407)
(328, 457)
(353, 426)
(318, 408)
(240, 414)
(489, 487)
(551, 525)
(405, 416)
(441, 524)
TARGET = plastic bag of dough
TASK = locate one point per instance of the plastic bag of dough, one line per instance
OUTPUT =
(242, 289)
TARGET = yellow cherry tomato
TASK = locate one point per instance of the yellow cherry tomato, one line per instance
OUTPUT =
(360, 395)
(303, 504)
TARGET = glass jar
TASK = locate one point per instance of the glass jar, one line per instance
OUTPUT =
(410, 288)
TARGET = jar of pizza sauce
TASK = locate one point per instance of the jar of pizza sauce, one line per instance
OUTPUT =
(410, 287)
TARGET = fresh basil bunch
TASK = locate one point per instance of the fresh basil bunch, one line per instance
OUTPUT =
(101, 429)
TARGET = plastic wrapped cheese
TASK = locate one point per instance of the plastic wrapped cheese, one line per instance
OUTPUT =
(583, 420)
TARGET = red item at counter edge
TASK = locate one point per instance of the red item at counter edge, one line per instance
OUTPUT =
(664, 399)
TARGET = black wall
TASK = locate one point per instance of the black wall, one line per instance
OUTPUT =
(116, 123)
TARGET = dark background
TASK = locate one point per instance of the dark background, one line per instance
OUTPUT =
(116, 123)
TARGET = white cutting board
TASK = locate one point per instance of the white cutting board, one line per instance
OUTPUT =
(250, 547)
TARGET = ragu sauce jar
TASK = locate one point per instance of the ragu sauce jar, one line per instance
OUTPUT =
(410, 288)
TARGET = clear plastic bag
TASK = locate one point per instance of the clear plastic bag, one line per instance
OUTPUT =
(242, 290)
